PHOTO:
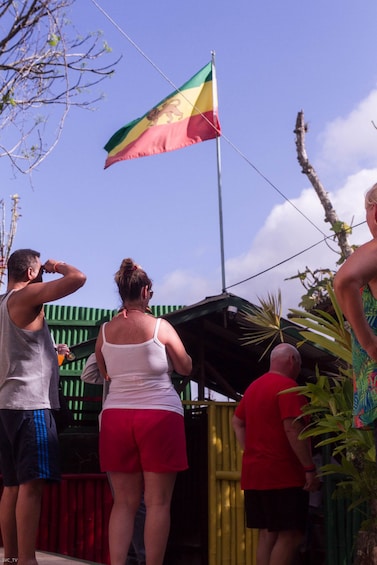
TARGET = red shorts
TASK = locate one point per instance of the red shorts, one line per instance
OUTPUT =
(133, 440)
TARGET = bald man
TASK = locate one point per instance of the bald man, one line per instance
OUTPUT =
(277, 467)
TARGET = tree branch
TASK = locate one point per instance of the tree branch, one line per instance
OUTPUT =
(44, 63)
(340, 229)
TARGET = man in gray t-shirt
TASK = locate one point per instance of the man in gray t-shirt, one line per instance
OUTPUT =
(29, 379)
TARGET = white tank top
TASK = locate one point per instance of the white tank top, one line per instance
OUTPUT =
(140, 375)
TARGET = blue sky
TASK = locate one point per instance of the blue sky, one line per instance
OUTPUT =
(273, 59)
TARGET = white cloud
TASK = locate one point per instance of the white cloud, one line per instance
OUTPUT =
(185, 283)
(348, 144)
(286, 233)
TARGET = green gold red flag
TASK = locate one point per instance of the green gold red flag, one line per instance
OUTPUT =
(187, 116)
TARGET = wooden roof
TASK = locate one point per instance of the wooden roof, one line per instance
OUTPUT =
(212, 334)
(212, 331)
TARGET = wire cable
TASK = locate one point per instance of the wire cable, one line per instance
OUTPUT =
(286, 260)
(238, 151)
(242, 155)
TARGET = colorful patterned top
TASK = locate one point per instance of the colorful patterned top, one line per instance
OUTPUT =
(365, 370)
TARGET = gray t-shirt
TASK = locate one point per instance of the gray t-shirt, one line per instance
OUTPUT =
(29, 371)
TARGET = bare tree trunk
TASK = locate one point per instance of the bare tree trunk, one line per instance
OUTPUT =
(366, 548)
(7, 237)
(340, 229)
(366, 542)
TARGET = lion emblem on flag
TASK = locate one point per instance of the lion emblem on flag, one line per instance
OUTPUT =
(168, 109)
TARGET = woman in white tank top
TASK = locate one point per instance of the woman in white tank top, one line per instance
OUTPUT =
(142, 438)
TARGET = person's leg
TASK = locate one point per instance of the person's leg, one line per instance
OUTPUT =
(37, 461)
(266, 542)
(286, 513)
(138, 535)
(28, 509)
(8, 521)
(157, 495)
(136, 551)
(127, 491)
(29, 454)
(285, 547)
(10, 481)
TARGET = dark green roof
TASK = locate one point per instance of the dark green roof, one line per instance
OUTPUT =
(221, 361)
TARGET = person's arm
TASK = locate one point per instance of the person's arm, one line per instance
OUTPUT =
(37, 293)
(181, 360)
(99, 357)
(302, 450)
(91, 373)
(358, 270)
(25, 304)
(239, 430)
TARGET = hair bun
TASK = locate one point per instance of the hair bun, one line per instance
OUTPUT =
(131, 278)
(128, 266)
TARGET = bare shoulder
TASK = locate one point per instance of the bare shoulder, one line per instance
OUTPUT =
(361, 262)
(369, 246)
(363, 252)
(166, 330)
(23, 312)
(166, 326)
(25, 299)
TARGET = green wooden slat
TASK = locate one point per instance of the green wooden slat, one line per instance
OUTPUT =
(78, 327)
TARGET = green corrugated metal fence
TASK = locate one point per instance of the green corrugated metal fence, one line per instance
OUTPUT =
(78, 327)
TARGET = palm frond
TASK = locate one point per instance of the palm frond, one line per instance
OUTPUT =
(263, 324)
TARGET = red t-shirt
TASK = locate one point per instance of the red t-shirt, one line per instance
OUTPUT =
(268, 460)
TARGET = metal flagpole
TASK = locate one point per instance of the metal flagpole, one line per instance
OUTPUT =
(214, 92)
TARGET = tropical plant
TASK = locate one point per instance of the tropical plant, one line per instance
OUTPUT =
(315, 284)
(266, 321)
(330, 396)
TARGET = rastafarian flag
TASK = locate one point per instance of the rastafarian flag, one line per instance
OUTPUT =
(187, 116)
